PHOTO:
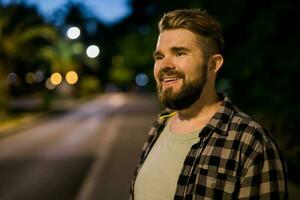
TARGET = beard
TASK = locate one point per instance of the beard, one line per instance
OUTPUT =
(187, 94)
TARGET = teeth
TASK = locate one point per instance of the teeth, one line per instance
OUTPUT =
(170, 79)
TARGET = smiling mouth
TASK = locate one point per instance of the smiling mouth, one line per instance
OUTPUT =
(169, 80)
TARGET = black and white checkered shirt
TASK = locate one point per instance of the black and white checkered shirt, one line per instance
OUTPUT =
(235, 159)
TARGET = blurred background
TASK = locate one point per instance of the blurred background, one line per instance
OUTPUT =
(77, 94)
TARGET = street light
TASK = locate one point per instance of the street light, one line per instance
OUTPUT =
(141, 79)
(49, 85)
(12, 78)
(71, 77)
(30, 78)
(73, 32)
(92, 51)
(56, 78)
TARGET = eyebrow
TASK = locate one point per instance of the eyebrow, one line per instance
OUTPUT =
(176, 49)
(157, 53)
(173, 50)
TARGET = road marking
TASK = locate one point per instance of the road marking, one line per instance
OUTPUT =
(90, 183)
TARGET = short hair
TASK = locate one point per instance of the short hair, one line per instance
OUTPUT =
(200, 23)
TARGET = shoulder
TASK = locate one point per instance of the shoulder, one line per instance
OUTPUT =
(255, 142)
(250, 130)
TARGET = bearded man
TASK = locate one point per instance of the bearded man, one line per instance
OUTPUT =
(202, 146)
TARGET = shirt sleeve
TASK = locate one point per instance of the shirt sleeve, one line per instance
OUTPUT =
(265, 173)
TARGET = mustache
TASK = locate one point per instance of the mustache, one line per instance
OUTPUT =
(169, 72)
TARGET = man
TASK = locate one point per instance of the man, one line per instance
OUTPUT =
(202, 147)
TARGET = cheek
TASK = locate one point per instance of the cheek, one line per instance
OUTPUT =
(155, 72)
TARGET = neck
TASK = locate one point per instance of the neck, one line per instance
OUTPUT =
(203, 108)
(198, 115)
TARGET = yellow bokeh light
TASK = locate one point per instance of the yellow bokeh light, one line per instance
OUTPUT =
(71, 77)
(56, 78)
(30, 78)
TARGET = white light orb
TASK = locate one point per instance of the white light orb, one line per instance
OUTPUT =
(73, 32)
(92, 51)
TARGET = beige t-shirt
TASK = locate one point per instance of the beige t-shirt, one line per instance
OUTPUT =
(157, 179)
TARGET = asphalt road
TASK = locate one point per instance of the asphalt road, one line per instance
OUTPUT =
(89, 153)
(86, 154)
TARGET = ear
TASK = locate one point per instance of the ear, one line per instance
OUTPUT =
(215, 63)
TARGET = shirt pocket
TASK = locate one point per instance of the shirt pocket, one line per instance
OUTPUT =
(213, 184)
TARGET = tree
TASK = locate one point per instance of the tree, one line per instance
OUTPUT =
(93, 32)
(22, 33)
(63, 56)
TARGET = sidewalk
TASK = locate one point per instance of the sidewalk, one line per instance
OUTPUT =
(13, 124)
(16, 122)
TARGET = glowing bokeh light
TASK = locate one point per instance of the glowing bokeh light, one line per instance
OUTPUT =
(141, 79)
(56, 78)
(12, 78)
(71, 77)
(39, 76)
(49, 85)
(92, 51)
(30, 77)
(73, 32)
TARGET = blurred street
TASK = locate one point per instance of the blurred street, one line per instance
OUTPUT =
(88, 153)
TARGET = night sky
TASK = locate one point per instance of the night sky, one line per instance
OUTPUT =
(108, 11)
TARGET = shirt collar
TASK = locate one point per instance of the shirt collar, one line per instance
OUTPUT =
(220, 120)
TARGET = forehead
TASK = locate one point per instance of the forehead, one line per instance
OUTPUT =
(177, 37)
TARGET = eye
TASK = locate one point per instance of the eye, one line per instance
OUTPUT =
(158, 57)
(180, 53)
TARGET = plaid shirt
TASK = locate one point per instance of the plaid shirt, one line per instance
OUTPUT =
(235, 159)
